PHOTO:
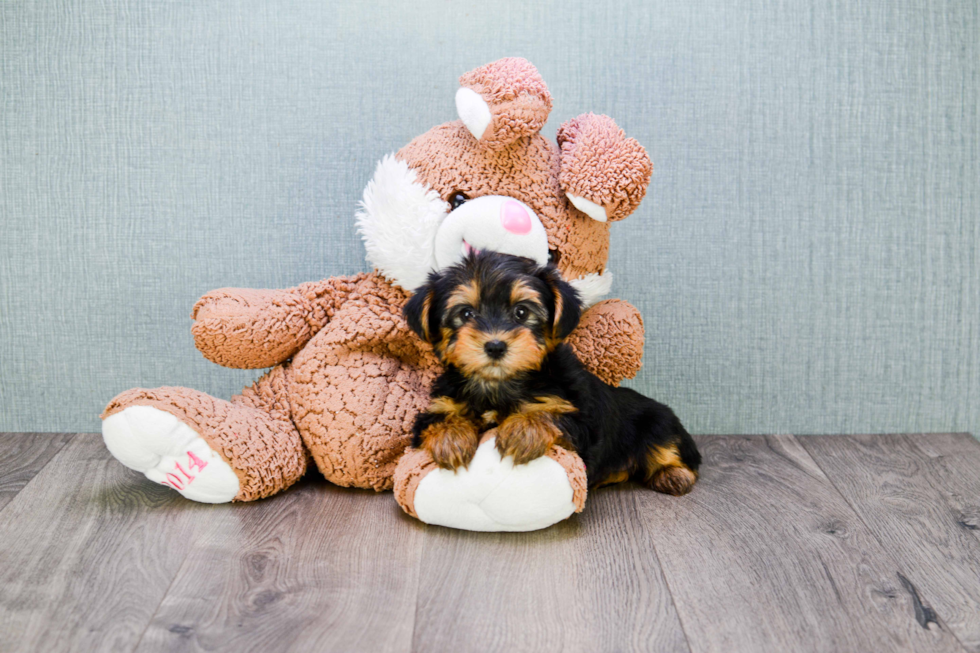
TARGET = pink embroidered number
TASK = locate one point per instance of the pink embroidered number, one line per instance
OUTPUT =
(185, 478)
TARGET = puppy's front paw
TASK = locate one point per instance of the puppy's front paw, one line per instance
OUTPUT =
(451, 442)
(526, 436)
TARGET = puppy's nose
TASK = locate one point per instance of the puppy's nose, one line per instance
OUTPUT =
(495, 349)
(515, 219)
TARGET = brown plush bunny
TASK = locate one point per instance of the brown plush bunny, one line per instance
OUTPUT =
(348, 376)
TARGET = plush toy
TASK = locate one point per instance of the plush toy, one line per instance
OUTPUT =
(348, 376)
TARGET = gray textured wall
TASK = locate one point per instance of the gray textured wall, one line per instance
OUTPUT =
(807, 259)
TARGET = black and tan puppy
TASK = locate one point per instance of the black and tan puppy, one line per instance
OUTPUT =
(497, 323)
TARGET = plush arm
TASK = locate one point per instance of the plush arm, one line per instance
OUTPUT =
(250, 329)
(609, 340)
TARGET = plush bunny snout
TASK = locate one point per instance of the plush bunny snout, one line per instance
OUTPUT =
(492, 222)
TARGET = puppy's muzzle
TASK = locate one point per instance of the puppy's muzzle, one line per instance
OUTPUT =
(495, 349)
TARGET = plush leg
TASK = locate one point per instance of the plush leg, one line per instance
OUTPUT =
(356, 409)
(208, 449)
(492, 494)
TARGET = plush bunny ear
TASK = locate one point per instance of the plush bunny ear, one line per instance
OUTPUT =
(503, 101)
(603, 173)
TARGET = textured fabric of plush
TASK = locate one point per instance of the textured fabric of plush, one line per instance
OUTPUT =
(250, 433)
(489, 495)
(807, 257)
(517, 97)
(595, 155)
(350, 376)
(611, 326)
(528, 171)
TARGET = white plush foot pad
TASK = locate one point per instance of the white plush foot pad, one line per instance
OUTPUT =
(169, 452)
(495, 495)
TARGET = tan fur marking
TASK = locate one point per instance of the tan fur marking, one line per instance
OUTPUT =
(665, 472)
(615, 477)
(447, 406)
(426, 305)
(527, 436)
(446, 333)
(452, 442)
(521, 292)
(552, 340)
(524, 353)
(466, 294)
(548, 404)
(467, 352)
(559, 306)
(531, 431)
(666, 457)
(674, 480)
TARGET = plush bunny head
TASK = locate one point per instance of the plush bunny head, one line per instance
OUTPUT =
(490, 181)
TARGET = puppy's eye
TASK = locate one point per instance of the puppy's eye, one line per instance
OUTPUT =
(456, 200)
(521, 313)
(466, 314)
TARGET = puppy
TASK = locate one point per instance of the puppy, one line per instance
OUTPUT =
(498, 324)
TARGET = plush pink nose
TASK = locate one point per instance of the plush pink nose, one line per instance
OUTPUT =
(515, 219)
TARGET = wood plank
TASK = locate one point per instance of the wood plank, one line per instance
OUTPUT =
(920, 496)
(765, 555)
(592, 583)
(22, 455)
(953, 462)
(317, 568)
(87, 551)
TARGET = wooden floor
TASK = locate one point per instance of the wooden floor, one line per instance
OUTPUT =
(858, 543)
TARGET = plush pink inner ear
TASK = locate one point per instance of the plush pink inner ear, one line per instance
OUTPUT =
(515, 218)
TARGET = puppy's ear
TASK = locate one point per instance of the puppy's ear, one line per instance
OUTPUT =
(418, 312)
(568, 306)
